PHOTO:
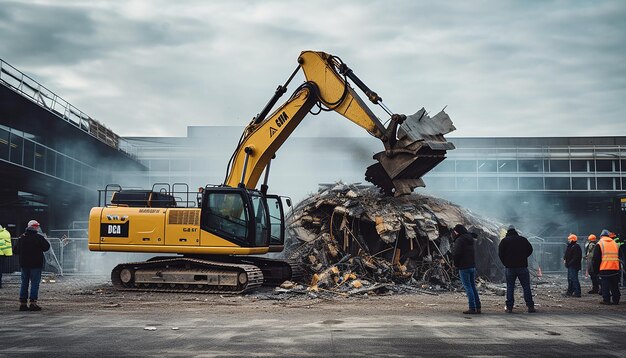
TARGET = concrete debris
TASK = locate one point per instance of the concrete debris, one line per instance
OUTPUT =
(351, 240)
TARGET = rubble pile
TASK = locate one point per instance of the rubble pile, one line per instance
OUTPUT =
(350, 238)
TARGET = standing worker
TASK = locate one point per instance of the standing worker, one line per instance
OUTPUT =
(514, 251)
(31, 246)
(622, 255)
(572, 259)
(606, 264)
(463, 256)
(592, 240)
(5, 249)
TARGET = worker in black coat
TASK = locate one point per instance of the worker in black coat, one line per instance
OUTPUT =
(514, 251)
(31, 247)
(463, 258)
(573, 262)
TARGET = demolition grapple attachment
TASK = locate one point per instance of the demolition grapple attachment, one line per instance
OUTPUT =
(419, 147)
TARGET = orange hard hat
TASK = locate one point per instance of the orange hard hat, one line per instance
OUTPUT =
(592, 237)
(572, 237)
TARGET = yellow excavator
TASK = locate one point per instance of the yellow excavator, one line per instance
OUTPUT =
(217, 243)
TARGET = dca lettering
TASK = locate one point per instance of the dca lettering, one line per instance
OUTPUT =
(114, 229)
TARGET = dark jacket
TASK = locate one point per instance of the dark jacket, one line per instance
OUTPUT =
(596, 260)
(573, 256)
(514, 250)
(463, 251)
(30, 248)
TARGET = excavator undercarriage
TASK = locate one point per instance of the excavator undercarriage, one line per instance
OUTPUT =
(203, 275)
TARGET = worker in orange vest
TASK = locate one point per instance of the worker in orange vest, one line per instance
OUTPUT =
(605, 262)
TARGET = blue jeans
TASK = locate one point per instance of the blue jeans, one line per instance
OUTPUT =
(32, 276)
(524, 279)
(573, 284)
(468, 278)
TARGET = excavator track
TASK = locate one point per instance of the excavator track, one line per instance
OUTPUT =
(182, 274)
(276, 272)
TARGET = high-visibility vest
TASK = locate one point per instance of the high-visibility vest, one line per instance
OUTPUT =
(610, 258)
(5, 243)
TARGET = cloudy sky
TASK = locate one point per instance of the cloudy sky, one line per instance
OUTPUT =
(502, 68)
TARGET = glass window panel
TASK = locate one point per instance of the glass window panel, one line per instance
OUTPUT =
(466, 183)
(623, 165)
(60, 166)
(447, 166)
(487, 166)
(559, 166)
(441, 184)
(530, 165)
(605, 183)
(580, 165)
(531, 183)
(180, 165)
(4, 144)
(507, 183)
(16, 148)
(29, 154)
(69, 169)
(557, 184)
(226, 215)
(261, 233)
(580, 183)
(159, 165)
(603, 165)
(507, 166)
(40, 158)
(51, 162)
(488, 183)
(466, 166)
(77, 172)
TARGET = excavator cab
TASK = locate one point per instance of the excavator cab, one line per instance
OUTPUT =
(244, 217)
(238, 215)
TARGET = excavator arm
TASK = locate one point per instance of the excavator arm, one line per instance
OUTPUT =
(400, 166)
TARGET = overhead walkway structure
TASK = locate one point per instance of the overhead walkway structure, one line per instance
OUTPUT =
(53, 156)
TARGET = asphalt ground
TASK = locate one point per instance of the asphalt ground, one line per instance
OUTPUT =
(88, 319)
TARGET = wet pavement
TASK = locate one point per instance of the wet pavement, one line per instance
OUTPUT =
(309, 332)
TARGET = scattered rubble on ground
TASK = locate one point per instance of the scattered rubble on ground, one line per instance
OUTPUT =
(352, 240)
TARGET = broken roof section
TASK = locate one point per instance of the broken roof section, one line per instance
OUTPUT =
(420, 146)
(349, 237)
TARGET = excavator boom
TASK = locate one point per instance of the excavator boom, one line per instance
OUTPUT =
(400, 166)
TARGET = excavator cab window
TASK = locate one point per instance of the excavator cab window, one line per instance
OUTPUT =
(237, 215)
(225, 215)
(261, 220)
(277, 217)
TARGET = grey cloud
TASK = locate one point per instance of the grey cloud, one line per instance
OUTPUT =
(60, 34)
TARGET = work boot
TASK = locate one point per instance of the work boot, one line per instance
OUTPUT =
(576, 295)
(470, 311)
(531, 309)
(566, 294)
(23, 306)
(34, 306)
(478, 310)
(508, 310)
(592, 292)
(605, 302)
